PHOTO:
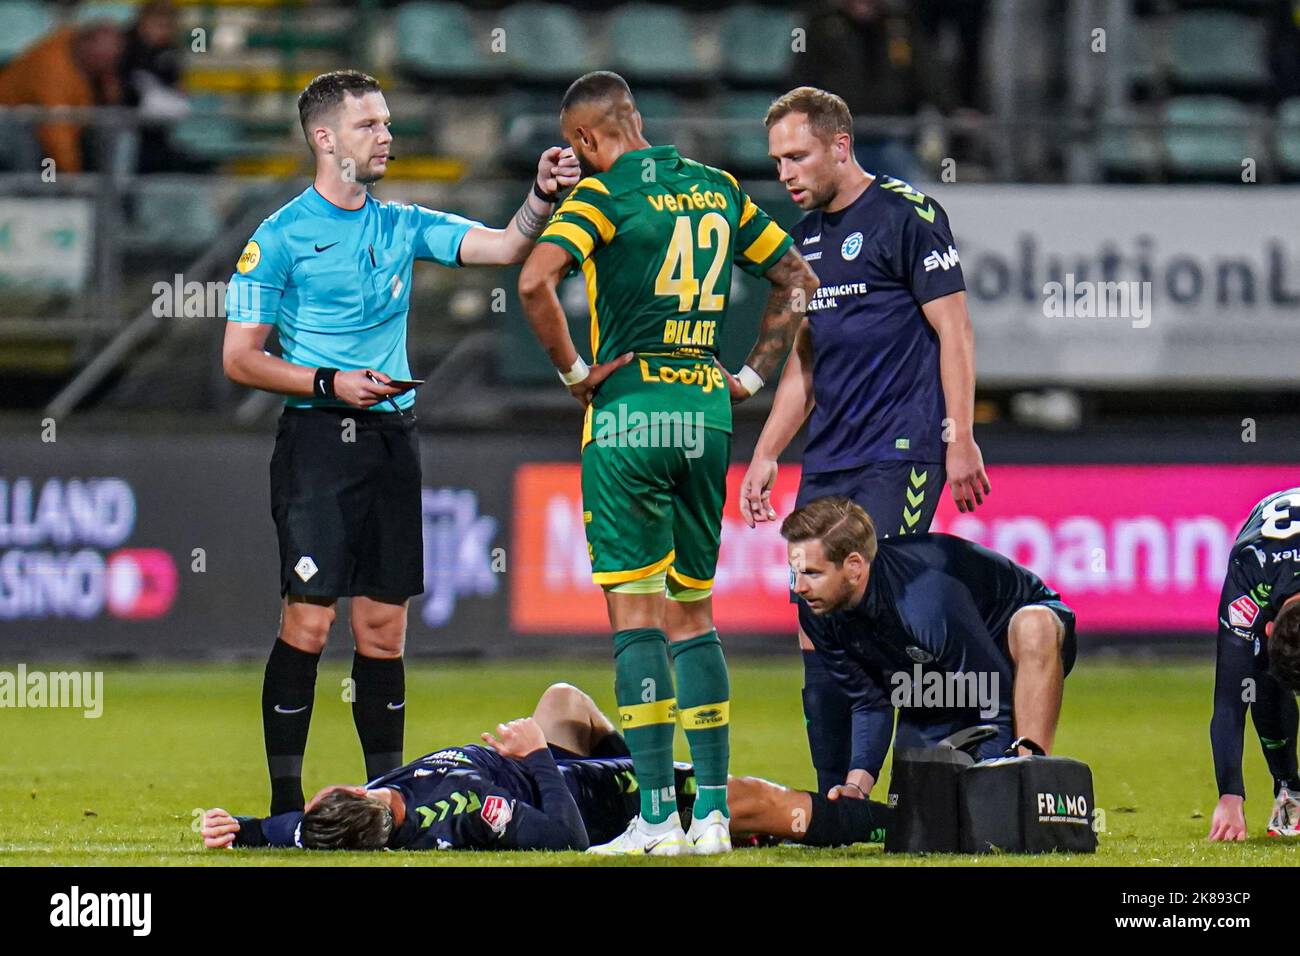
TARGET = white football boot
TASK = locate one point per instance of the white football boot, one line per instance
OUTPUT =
(1285, 820)
(710, 834)
(647, 839)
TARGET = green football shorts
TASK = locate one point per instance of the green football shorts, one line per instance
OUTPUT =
(650, 510)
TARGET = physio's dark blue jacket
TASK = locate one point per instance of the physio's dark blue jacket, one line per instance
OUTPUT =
(932, 599)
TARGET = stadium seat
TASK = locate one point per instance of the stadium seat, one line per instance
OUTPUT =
(546, 42)
(1140, 55)
(170, 215)
(653, 42)
(1207, 136)
(24, 23)
(1288, 136)
(659, 111)
(745, 146)
(436, 41)
(757, 48)
(208, 134)
(1217, 50)
(1127, 150)
(122, 14)
(522, 145)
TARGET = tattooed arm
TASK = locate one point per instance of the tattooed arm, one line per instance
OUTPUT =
(557, 169)
(793, 283)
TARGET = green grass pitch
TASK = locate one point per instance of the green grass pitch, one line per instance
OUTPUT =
(123, 789)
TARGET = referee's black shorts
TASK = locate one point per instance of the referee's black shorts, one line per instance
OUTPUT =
(348, 512)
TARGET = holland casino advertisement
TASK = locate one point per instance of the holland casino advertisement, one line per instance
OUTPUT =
(67, 552)
(155, 545)
(1130, 548)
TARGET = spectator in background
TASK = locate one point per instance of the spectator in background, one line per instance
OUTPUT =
(863, 50)
(888, 58)
(75, 66)
(150, 73)
(1284, 52)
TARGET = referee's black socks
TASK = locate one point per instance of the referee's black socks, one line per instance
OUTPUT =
(379, 711)
(287, 693)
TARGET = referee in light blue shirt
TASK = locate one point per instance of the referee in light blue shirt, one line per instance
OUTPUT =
(331, 271)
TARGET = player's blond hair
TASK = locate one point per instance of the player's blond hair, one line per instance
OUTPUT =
(840, 524)
(828, 114)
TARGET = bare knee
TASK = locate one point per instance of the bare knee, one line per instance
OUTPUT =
(380, 636)
(306, 626)
(684, 620)
(562, 698)
(1034, 636)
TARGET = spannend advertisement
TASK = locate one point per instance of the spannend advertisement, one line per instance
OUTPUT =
(1131, 548)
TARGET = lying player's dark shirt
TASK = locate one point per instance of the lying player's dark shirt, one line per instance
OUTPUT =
(465, 798)
(875, 356)
(1263, 571)
(932, 599)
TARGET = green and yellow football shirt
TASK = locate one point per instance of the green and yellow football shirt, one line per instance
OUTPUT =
(656, 237)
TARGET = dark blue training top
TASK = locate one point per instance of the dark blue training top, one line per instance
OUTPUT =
(875, 357)
(1263, 571)
(932, 600)
(464, 798)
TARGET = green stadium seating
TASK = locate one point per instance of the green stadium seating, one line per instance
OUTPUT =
(746, 148)
(436, 41)
(24, 23)
(170, 216)
(546, 42)
(1217, 50)
(1288, 136)
(1204, 136)
(653, 42)
(756, 44)
(1128, 151)
(122, 14)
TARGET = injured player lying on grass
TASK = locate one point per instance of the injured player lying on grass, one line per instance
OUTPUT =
(559, 780)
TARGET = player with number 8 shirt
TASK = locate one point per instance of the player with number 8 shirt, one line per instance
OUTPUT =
(1258, 665)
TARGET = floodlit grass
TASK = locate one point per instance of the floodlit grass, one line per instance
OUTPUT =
(125, 789)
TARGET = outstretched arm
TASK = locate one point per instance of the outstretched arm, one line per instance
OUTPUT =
(482, 246)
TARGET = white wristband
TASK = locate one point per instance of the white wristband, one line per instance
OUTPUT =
(749, 379)
(576, 374)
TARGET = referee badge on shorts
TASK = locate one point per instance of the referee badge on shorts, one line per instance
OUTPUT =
(305, 568)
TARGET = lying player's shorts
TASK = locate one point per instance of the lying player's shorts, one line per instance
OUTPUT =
(605, 789)
(919, 727)
(649, 510)
(348, 512)
(900, 496)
